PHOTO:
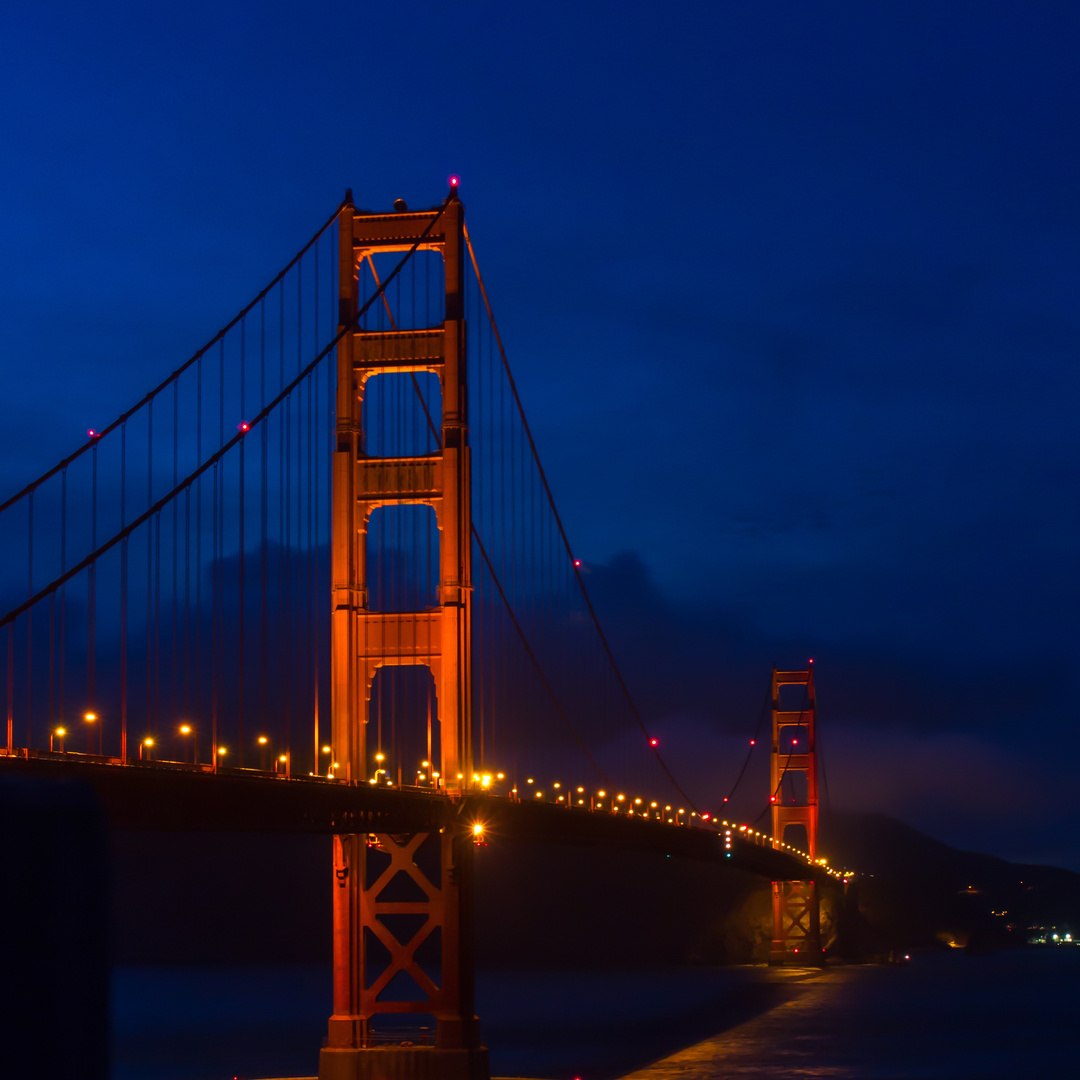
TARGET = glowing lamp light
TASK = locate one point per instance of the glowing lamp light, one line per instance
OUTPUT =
(92, 434)
(243, 426)
(753, 742)
(453, 180)
(185, 729)
(61, 732)
(478, 829)
(283, 758)
(577, 562)
(90, 717)
(654, 742)
(326, 749)
(382, 757)
(262, 740)
(772, 798)
(148, 742)
(221, 751)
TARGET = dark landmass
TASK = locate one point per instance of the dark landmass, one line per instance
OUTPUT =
(914, 891)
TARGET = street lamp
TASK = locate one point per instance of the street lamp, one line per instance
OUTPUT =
(91, 719)
(263, 742)
(59, 733)
(145, 747)
(185, 731)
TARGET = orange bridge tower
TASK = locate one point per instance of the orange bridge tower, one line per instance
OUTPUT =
(793, 793)
(402, 899)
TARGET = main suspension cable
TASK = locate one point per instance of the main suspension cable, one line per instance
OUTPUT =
(219, 336)
(562, 532)
(491, 568)
(91, 559)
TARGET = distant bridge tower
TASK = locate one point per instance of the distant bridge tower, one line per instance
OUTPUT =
(377, 968)
(796, 916)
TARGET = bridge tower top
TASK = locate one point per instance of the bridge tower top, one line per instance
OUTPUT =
(363, 638)
(794, 755)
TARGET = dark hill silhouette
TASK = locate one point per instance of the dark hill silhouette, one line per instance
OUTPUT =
(917, 891)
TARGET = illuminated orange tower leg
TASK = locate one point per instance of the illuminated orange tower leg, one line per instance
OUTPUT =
(796, 916)
(363, 640)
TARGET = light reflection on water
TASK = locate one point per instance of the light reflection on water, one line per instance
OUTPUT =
(1010, 1015)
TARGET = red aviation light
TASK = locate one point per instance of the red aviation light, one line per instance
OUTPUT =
(453, 180)
(654, 742)
(577, 562)
(92, 434)
(772, 798)
(243, 426)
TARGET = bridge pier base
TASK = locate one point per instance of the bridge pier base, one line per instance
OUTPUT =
(403, 1063)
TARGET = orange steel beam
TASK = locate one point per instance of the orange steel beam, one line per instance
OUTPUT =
(363, 640)
(796, 913)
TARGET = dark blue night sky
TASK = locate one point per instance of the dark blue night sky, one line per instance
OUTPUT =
(790, 290)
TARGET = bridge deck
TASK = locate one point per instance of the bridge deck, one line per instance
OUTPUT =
(167, 796)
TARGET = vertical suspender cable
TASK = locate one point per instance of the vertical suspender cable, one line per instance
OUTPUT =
(198, 673)
(313, 516)
(11, 688)
(215, 626)
(148, 715)
(91, 583)
(123, 597)
(175, 642)
(240, 530)
(264, 614)
(30, 622)
(63, 591)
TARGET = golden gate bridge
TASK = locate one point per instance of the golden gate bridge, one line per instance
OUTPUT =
(355, 435)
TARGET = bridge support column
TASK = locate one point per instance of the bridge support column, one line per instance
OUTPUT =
(402, 901)
(796, 907)
(398, 956)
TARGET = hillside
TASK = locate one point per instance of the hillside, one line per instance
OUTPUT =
(915, 890)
